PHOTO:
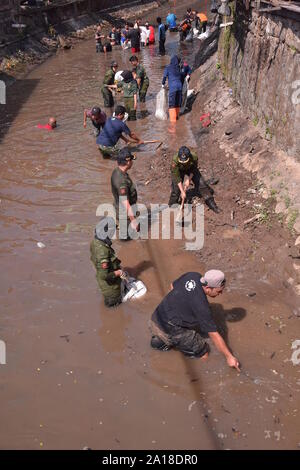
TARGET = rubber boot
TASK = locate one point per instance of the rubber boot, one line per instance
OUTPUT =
(177, 112)
(211, 203)
(212, 181)
(172, 114)
(157, 343)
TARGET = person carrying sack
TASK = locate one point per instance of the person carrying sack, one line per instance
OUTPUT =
(173, 74)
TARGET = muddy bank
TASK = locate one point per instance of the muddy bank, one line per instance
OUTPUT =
(232, 139)
(17, 58)
(258, 183)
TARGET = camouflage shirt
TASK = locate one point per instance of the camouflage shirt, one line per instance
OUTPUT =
(109, 77)
(129, 89)
(179, 170)
(141, 73)
(122, 185)
(106, 262)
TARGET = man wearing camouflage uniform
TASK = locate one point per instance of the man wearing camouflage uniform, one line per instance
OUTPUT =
(123, 187)
(109, 79)
(185, 163)
(108, 266)
(141, 78)
(130, 90)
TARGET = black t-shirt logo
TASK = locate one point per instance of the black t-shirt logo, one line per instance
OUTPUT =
(190, 285)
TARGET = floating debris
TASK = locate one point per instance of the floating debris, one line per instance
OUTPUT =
(191, 405)
(66, 337)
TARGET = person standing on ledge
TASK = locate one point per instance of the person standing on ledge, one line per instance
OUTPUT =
(183, 319)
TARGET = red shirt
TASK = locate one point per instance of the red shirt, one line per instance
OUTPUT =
(152, 35)
(46, 126)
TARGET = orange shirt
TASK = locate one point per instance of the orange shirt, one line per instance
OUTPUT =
(202, 17)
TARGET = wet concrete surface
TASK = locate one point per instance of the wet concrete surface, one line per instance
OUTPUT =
(78, 374)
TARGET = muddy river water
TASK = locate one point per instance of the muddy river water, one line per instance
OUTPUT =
(78, 374)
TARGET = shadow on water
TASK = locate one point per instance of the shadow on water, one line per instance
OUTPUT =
(137, 270)
(222, 316)
(17, 93)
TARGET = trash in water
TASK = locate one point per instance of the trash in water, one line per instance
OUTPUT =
(191, 405)
(132, 289)
(41, 245)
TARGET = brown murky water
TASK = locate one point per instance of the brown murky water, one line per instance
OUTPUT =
(78, 374)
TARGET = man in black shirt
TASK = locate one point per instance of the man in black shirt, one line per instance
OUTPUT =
(134, 35)
(183, 319)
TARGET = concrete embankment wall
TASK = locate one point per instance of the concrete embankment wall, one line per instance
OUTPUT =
(260, 58)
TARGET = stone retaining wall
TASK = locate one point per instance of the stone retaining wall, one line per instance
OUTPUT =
(260, 58)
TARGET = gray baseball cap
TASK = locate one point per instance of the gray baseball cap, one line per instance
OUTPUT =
(213, 278)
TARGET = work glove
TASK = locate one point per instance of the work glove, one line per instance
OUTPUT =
(124, 275)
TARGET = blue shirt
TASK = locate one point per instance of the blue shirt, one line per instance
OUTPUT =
(161, 32)
(111, 132)
(171, 20)
(173, 74)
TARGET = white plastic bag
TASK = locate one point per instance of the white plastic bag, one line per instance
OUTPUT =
(124, 118)
(118, 76)
(203, 35)
(161, 105)
(132, 289)
(189, 36)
